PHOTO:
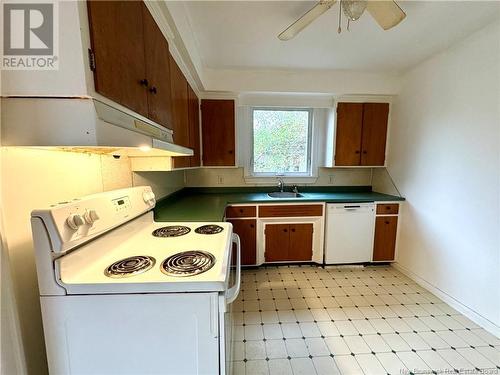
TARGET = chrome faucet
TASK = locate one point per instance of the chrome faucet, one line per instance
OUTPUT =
(281, 184)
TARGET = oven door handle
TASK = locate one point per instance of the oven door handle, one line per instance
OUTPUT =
(233, 292)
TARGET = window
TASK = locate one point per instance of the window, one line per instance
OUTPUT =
(281, 142)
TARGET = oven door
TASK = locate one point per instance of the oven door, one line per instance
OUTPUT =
(226, 300)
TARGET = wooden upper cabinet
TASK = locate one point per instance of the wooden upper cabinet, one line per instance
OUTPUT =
(180, 108)
(349, 129)
(361, 134)
(116, 33)
(385, 238)
(374, 137)
(217, 123)
(194, 127)
(157, 62)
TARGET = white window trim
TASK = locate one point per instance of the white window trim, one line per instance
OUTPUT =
(251, 174)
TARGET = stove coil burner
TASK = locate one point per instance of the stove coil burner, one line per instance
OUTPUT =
(209, 229)
(171, 231)
(130, 266)
(188, 263)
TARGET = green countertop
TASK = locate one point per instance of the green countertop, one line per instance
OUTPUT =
(208, 204)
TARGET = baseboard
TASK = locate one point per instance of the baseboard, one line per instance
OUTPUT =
(468, 312)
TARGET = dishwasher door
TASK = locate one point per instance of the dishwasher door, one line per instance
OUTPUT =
(350, 230)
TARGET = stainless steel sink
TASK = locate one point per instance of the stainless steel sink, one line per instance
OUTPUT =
(284, 194)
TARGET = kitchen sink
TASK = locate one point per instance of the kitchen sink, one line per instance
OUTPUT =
(284, 194)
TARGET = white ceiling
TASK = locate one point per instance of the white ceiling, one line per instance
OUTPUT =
(243, 35)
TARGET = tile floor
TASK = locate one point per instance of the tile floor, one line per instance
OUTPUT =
(352, 320)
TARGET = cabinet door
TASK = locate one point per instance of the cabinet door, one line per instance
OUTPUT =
(157, 71)
(116, 33)
(374, 133)
(348, 136)
(217, 124)
(179, 111)
(301, 240)
(247, 230)
(277, 242)
(385, 238)
(194, 127)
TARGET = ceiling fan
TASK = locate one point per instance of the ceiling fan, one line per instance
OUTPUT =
(387, 13)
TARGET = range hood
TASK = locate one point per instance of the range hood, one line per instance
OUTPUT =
(83, 125)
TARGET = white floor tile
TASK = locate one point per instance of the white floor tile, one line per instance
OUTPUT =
(376, 343)
(317, 347)
(348, 365)
(252, 317)
(470, 338)
(345, 327)
(304, 316)
(257, 367)
(435, 361)
(413, 362)
(320, 315)
(416, 324)
(455, 359)
(486, 336)
(255, 350)
(287, 316)
(337, 345)
(291, 330)
(357, 345)
(415, 341)
(276, 349)
(381, 326)
(370, 364)
(238, 351)
(328, 329)
(391, 363)
(253, 332)
(336, 313)
(309, 330)
(325, 366)
(492, 354)
(280, 367)
(238, 368)
(476, 358)
(353, 313)
(452, 339)
(296, 348)
(398, 325)
(302, 366)
(269, 317)
(396, 342)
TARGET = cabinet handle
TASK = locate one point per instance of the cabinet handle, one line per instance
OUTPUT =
(285, 230)
(387, 207)
(230, 151)
(241, 210)
(364, 152)
(387, 222)
(357, 151)
(153, 90)
(252, 226)
(293, 229)
(144, 82)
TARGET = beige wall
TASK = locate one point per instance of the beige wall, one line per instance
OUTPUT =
(444, 158)
(35, 179)
(222, 177)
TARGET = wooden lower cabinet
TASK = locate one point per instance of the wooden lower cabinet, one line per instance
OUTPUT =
(288, 242)
(385, 238)
(247, 230)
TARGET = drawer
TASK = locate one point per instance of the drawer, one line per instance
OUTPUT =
(387, 209)
(283, 210)
(241, 211)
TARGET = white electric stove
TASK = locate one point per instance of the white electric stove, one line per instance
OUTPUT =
(123, 294)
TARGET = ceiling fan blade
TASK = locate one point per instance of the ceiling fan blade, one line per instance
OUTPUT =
(299, 25)
(387, 13)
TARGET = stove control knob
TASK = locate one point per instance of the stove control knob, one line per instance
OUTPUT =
(75, 221)
(90, 216)
(149, 197)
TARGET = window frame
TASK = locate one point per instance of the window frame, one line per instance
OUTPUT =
(309, 172)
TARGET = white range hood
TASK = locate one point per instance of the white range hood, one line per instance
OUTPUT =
(85, 125)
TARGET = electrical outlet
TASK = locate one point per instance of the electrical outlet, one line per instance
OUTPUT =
(220, 180)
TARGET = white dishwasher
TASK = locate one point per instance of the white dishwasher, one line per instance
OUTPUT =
(350, 228)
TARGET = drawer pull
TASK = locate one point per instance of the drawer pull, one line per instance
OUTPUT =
(252, 226)
(387, 222)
